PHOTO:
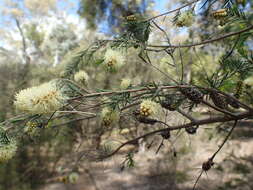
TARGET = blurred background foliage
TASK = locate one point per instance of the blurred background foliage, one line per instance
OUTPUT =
(39, 38)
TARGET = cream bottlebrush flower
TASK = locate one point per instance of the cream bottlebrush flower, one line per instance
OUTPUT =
(41, 99)
(7, 151)
(81, 76)
(113, 59)
(249, 81)
(148, 108)
(109, 116)
(73, 177)
(125, 83)
(185, 19)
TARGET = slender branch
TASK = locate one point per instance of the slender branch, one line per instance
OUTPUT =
(80, 87)
(163, 31)
(188, 116)
(199, 123)
(73, 120)
(159, 147)
(95, 94)
(174, 10)
(196, 182)
(155, 67)
(203, 42)
(225, 140)
(218, 109)
(77, 112)
(209, 163)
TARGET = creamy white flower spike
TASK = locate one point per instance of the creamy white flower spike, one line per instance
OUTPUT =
(8, 151)
(41, 99)
(185, 19)
(109, 116)
(125, 83)
(73, 177)
(148, 108)
(113, 59)
(249, 81)
(81, 76)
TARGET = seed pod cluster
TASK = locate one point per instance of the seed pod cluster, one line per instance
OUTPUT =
(233, 103)
(171, 102)
(191, 130)
(165, 134)
(219, 100)
(207, 165)
(237, 94)
(192, 94)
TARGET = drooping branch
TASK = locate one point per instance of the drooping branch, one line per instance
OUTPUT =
(202, 122)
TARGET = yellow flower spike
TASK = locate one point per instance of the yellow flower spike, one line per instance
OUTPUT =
(221, 13)
(148, 108)
(131, 18)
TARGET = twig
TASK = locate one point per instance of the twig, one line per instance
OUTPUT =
(174, 10)
(163, 31)
(186, 115)
(95, 94)
(160, 146)
(218, 109)
(197, 179)
(155, 67)
(225, 140)
(203, 42)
